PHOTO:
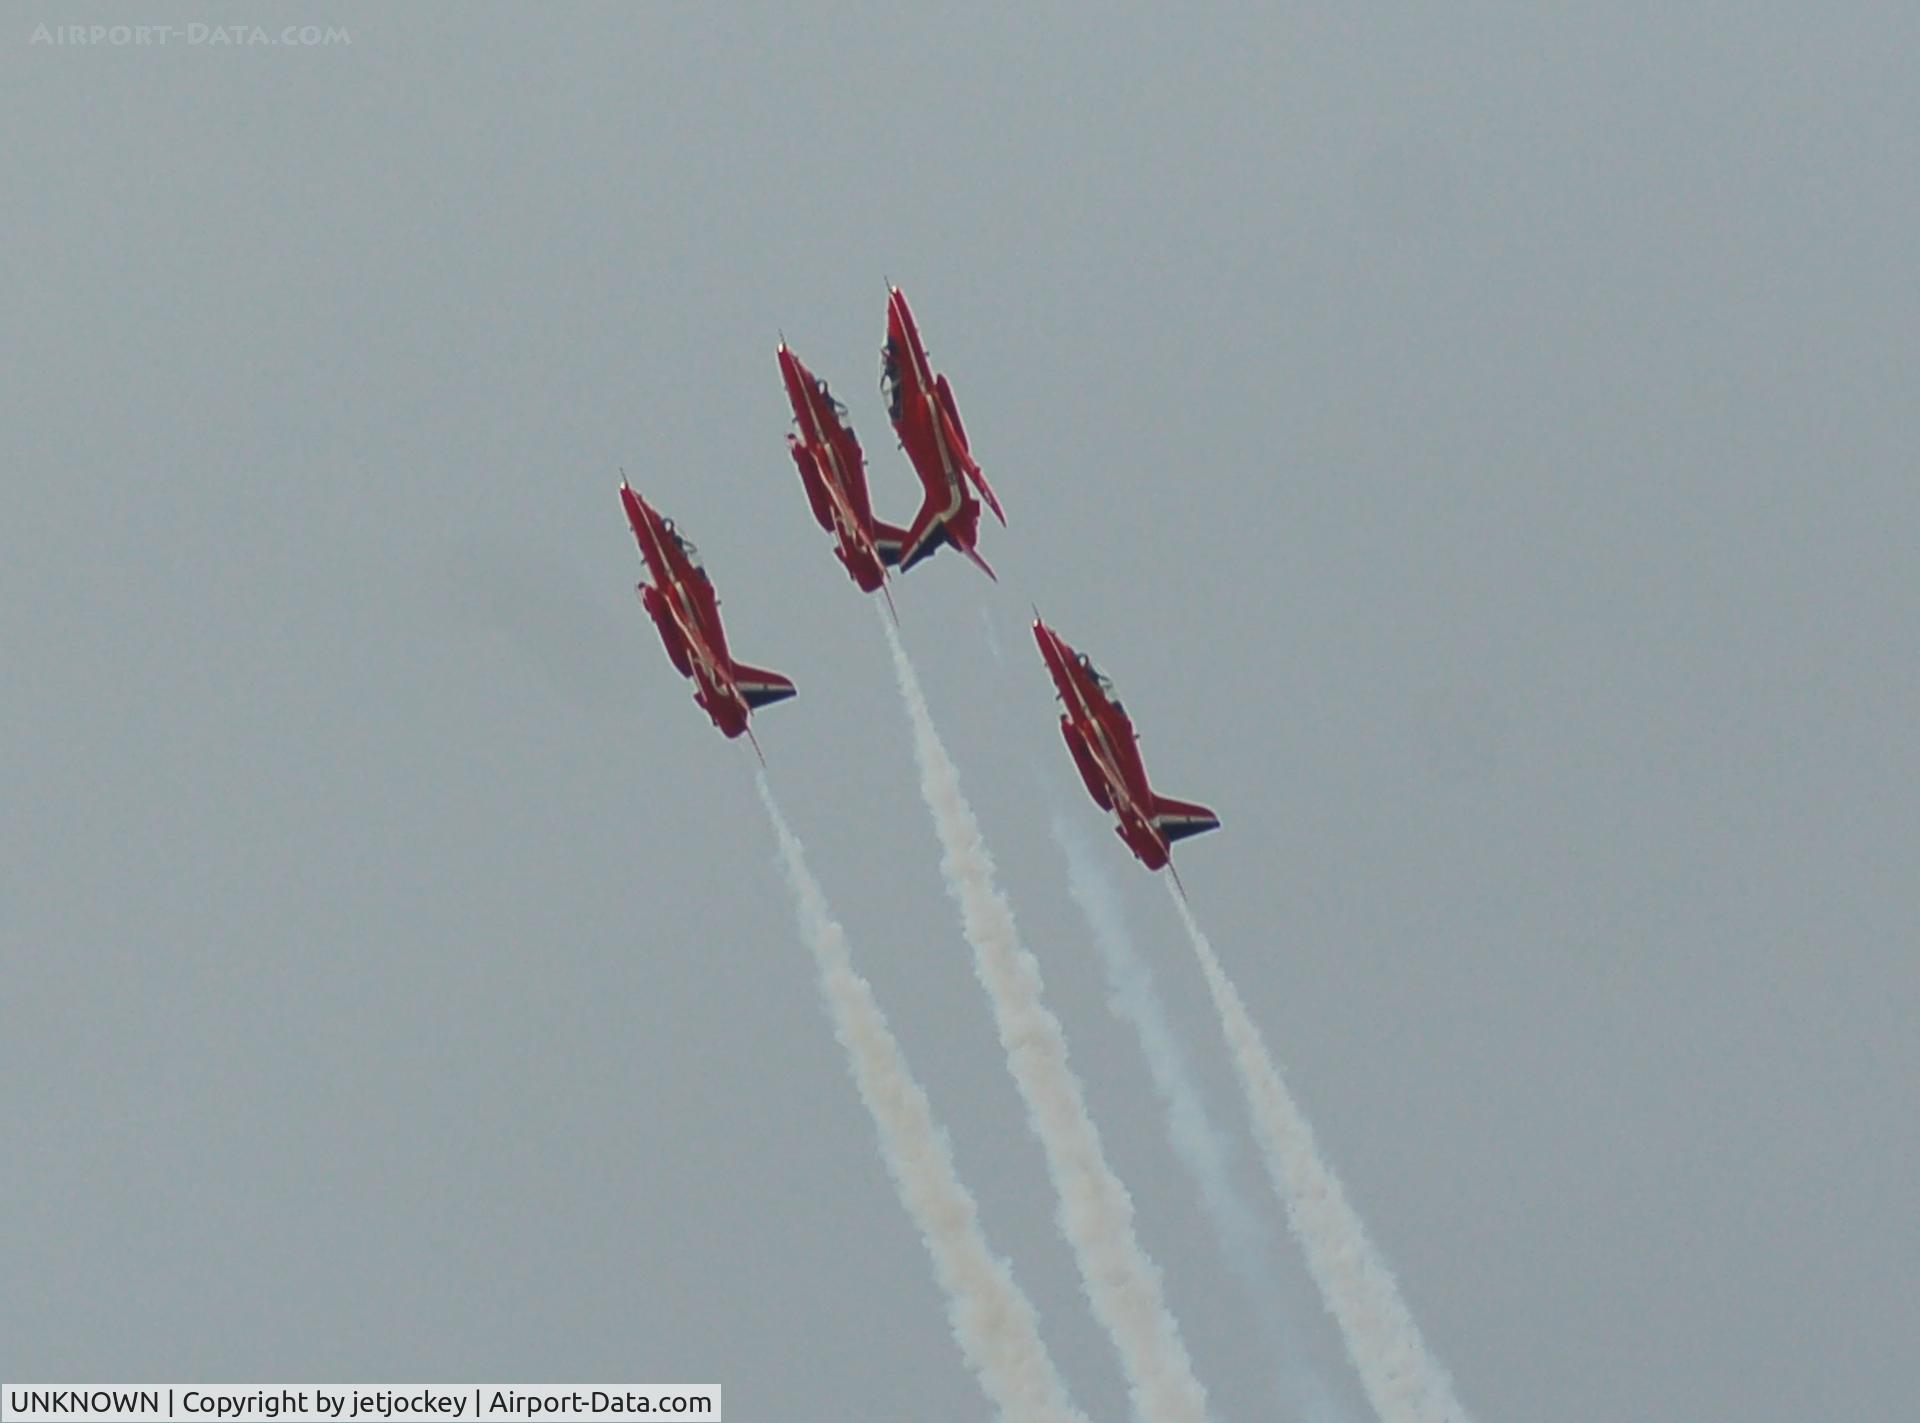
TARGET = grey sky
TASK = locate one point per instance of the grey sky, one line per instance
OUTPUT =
(1480, 444)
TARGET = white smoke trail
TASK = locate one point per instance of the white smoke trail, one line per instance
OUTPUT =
(1096, 1213)
(995, 1323)
(1244, 1240)
(1402, 1380)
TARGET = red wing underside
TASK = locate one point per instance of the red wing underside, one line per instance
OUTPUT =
(811, 480)
(956, 438)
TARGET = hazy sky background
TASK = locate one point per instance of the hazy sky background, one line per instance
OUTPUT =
(1481, 444)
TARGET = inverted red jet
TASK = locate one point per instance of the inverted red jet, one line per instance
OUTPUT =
(921, 406)
(682, 604)
(833, 472)
(1104, 747)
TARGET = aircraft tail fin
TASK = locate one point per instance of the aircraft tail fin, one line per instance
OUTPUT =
(758, 686)
(1177, 819)
(926, 536)
(888, 541)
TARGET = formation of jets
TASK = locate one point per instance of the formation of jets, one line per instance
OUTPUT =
(920, 403)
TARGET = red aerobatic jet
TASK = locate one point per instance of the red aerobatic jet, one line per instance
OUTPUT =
(928, 423)
(682, 604)
(1103, 743)
(833, 471)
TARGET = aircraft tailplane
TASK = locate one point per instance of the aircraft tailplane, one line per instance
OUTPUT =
(759, 686)
(1177, 819)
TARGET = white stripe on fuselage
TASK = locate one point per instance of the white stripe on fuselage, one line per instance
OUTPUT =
(914, 351)
(924, 379)
(703, 656)
(847, 528)
(1105, 758)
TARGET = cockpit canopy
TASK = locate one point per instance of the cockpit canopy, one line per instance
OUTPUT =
(1086, 665)
(685, 544)
(890, 377)
(839, 410)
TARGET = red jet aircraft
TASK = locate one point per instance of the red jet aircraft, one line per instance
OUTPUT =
(1104, 747)
(682, 604)
(833, 472)
(928, 423)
